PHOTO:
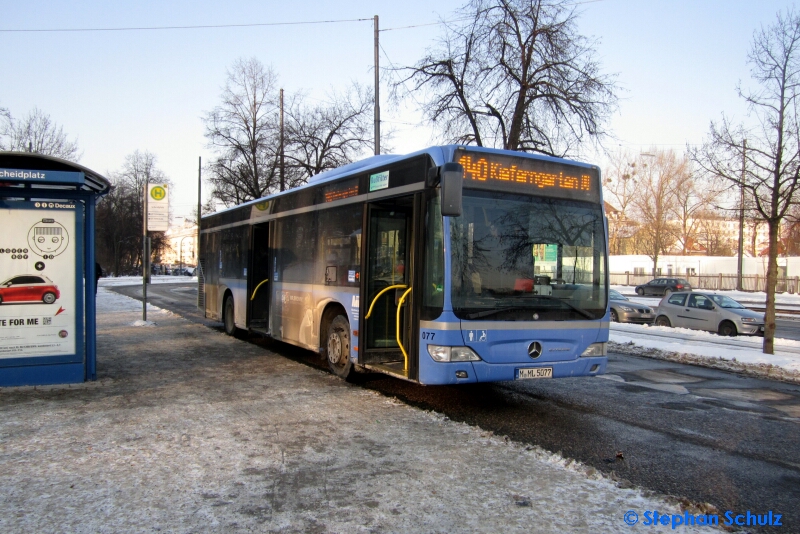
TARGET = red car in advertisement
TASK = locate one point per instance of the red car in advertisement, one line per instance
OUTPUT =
(28, 288)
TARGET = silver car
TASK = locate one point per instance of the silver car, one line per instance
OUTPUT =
(709, 311)
(623, 310)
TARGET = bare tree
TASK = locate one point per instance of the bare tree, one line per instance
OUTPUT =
(244, 130)
(36, 132)
(119, 230)
(767, 167)
(330, 135)
(693, 195)
(120, 214)
(654, 204)
(517, 75)
(621, 184)
(5, 122)
(712, 232)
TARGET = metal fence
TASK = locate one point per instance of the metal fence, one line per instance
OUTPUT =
(713, 281)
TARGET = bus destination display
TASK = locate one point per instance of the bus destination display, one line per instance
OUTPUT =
(528, 176)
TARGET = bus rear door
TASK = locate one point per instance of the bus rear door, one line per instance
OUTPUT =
(258, 283)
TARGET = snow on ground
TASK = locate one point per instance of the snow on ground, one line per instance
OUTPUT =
(115, 303)
(155, 279)
(189, 430)
(742, 354)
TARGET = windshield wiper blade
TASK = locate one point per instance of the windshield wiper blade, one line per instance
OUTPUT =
(487, 313)
(565, 303)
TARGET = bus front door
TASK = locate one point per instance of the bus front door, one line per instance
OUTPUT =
(387, 288)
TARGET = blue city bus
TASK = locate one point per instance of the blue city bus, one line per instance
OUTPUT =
(450, 265)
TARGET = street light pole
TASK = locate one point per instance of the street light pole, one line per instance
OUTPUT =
(377, 110)
(180, 252)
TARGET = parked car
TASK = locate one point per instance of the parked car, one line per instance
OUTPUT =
(709, 311)
(623, 310)
(663, 286)
(29, 288)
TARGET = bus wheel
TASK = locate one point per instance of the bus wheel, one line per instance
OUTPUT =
(228, 317)
(338, 347)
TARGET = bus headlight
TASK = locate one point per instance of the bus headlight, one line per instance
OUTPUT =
(452, 354)
(595, 349)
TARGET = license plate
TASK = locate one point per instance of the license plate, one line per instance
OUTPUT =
(537, 372)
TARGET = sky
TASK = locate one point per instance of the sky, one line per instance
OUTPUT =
(677, 65)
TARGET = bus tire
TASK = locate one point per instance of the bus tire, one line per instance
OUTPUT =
(337, 347)
(228, 316)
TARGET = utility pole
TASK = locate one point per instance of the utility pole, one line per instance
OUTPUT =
(145, 250)
(199, 216)
(377, 92)
(199, 187)
(281, 170)
(740, 265)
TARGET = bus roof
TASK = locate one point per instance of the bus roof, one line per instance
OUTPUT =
(439, 154)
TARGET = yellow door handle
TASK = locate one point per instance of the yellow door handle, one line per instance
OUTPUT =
(256, 289)
(399, 286)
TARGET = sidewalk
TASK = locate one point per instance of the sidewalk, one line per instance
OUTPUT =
(189, 430)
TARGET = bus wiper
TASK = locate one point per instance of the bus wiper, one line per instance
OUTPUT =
(493, 311)
(565, 303)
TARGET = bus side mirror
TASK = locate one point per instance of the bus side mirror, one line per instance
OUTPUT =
(450, 177)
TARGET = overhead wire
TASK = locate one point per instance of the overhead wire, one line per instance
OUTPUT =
(192, 27)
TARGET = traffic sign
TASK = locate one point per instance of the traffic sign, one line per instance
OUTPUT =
(157, 208)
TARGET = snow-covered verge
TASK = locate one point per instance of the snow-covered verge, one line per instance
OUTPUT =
(740, 354)
(155, 279)
(722, 359)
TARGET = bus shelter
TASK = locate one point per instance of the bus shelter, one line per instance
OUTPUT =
(47, 270)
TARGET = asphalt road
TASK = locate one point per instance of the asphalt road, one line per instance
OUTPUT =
(695, 433)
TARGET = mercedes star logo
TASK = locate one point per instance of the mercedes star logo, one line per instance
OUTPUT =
(535, 350)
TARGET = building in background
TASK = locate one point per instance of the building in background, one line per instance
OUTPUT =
(181, 251)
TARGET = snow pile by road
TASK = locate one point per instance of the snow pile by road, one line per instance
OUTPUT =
(740, 354)
(113, 302)
(155, 279)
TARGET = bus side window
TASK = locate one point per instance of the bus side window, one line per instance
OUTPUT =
(339, 252)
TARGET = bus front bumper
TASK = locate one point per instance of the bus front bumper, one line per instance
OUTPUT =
(439, 373)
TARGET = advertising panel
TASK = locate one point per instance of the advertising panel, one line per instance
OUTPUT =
(40, 301)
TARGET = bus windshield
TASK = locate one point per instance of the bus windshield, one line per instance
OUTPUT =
(524, 258)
